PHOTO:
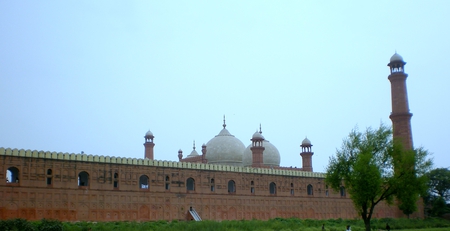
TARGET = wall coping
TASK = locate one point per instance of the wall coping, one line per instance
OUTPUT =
(147, 162)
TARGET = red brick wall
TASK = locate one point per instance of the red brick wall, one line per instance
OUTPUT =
(33, 199)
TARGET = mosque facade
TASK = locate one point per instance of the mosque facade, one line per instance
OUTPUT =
(225, 181)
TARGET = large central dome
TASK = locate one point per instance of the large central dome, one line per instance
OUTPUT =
(225, 149)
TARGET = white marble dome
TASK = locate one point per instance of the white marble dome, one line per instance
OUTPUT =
(225, 149)
(306, 142)
(396, 57)
(148, 134)
(193, 153)
(271, 156)
(258, 136)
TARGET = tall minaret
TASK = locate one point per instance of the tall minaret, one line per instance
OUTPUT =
(400, 115)
(149, 145)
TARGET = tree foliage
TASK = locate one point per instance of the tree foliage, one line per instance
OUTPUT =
(438, 191)
(373, 167)
(439, 183)
(414, 182)
(50, 225)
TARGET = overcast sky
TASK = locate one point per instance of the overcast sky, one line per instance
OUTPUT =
(94, 76)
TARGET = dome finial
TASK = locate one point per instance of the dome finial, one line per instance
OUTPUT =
(224, 124)
(260, 132)
(194, 145)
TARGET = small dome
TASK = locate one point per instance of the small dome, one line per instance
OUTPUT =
(149, 133)
(225, 149)
(193, 153)
(271, 155)
(396, 57)
(257, 136)
(306, 142)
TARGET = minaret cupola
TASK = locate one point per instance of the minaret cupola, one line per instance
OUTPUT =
(396, 63)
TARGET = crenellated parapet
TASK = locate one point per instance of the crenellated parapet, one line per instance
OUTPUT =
(148, 162)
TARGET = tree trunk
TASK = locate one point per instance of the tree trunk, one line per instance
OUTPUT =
(367, 215)
(367, 224)
(366, 220)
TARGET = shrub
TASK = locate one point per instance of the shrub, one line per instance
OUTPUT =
(50, 225)
(16, 224)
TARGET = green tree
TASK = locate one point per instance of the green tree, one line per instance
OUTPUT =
(438, 191)
(438, 207)
(439, 183)
(374, 168)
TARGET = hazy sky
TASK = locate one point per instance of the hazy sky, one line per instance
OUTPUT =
(94, 76)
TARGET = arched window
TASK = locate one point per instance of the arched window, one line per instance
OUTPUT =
(12, 175)
(309, 189)
(252, 188)
(49, 177)
(231, 186)
(167, 187)
(213, 185)
(116, 180)
(273, 188)
(292, 189)
(143, 182)
(342, 190)
(190, 184)
(83, 179)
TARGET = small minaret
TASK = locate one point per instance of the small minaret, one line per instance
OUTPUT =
(306, 155)
(180, 155)
(400, 115)
(257, 149)
(204, 160)
(148, 154)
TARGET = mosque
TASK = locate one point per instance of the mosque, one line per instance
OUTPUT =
(226, 149)
(227, 181)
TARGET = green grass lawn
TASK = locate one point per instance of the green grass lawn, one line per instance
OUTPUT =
(428, 229)
(278, 224)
